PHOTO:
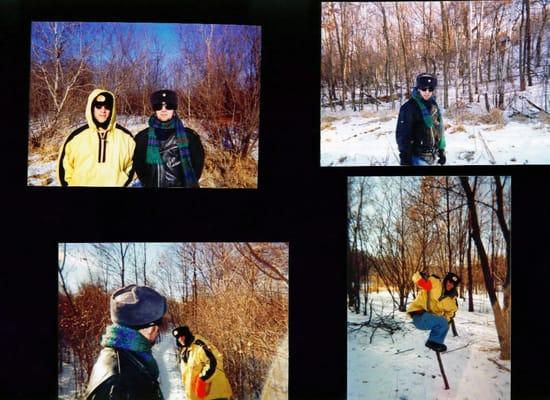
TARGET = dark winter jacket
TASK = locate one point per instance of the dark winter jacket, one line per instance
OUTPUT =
(414, 137)
(170, 173)
(120, 375)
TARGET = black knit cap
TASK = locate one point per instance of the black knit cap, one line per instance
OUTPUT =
(165, 96)
(103, 98)
(453, 278)
(426, 80)
(183, 331)
(137, 306)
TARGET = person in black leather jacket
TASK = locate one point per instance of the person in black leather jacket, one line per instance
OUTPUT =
(419, 133)
(168, 154)
(125, 368)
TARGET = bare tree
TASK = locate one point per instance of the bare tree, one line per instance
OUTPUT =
(501, 320)
(59, 70)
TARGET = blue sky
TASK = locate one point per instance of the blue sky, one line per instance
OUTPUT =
(166, 33)
(80, 255)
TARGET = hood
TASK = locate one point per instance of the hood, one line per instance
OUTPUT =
(91, 98)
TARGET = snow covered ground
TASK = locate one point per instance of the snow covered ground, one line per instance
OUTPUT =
(350, 139)
(376, 372)
(169, 371)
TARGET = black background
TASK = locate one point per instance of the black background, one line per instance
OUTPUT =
(296, 202)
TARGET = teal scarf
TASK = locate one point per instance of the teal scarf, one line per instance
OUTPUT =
(121, 337)
(153, 146)
(428, 118)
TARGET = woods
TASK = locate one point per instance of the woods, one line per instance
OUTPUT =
(480, 50)
(400, 225)
(236, 294)
(214, 69)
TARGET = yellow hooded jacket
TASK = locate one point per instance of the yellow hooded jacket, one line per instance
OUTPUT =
(87, 160)
(439, 304)
(202, 359)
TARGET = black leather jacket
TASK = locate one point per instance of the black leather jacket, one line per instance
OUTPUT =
(170, 172)
(120, 375)
(413, 136)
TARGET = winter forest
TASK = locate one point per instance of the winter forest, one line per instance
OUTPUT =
(235, 294)
(491, 59)
(215, 70)
(400, 225)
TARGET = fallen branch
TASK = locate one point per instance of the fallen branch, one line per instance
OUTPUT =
(500, 366)
(533, 104)
(403, 351)
(458, 348)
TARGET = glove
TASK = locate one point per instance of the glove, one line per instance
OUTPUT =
(424, 284)
(201, 387)
(404, 159)
(442, 159)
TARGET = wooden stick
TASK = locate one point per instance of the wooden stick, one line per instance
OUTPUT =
(455, 333)
(442, 371)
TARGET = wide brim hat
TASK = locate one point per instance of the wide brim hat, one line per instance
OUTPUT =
(137, 306)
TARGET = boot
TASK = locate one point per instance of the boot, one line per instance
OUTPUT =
(436, 346)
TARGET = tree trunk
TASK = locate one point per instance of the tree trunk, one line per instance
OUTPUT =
(469, 51)
(528, 43)
(445, 50)
(538, 47)
(145, 264)
(501, 324)
(506, 234)
(387, 63)
(403, 47)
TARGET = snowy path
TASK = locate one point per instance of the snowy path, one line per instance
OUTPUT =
(376, 372)
(354, 140)
(169, 373)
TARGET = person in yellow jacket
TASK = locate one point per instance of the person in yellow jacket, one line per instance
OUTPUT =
(434, 306)
(99, 153)
(201, 367)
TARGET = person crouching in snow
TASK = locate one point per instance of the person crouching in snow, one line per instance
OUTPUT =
(435, 306)
(201, 367)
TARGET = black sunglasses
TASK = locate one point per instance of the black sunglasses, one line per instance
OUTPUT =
(427, 88)
(158, 107)
(99, 106)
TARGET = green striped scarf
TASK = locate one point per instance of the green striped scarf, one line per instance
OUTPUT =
(121, 337)
(153, 147)
(427, 116)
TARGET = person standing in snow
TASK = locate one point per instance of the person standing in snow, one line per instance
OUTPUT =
(201, 367)
(168, 154)
(420, 132)
(435, 306)
(100, 152)
(125, 368)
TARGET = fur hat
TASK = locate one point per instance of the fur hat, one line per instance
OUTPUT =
(424, 80)
(137, 306)
(168, 97)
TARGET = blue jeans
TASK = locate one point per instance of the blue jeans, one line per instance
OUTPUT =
(416, 160)
(438, 325)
